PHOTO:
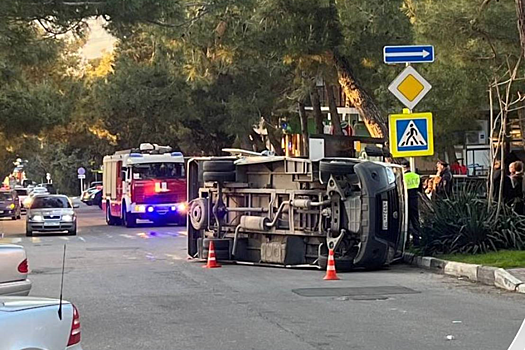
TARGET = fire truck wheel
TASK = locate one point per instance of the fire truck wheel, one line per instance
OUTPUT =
(336, 168)
(198, 213)
(128, 219)
(218, 166)
(215, 176)
(110, 219)
(341, 263)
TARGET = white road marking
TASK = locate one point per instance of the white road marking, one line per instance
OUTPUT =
(64, 238)
(175, 257)
(82, 239)
(519, 342)
(125, 235)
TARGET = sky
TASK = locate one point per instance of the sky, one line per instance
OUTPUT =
(99, 41)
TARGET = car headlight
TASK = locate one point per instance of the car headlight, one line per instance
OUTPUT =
(67, 217)
(37, 218)
(390, 176)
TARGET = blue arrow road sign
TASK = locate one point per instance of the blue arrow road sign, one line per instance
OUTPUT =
(408, 54)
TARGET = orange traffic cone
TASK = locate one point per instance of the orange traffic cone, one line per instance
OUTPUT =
(331, 275)
(212, 262)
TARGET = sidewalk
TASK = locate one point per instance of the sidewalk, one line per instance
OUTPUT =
(512, 279)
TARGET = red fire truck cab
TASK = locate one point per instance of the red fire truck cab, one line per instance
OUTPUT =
(148, 184)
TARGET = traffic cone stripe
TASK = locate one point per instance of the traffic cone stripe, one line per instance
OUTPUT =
(212, 262)
(331, 274)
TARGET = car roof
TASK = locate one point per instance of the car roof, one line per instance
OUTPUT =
(45, 195)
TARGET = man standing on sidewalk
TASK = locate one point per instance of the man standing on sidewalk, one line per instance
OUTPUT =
(412, 182)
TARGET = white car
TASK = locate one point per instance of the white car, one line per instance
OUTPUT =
(34, 323)
(13, 270)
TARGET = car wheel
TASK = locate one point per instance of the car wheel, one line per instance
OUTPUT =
(198, 213)
(222, 248)
(220, 166)
(341, 263)
(72, 232)
(214, 176)
(336, 167)
(13, 217)
(29, 233)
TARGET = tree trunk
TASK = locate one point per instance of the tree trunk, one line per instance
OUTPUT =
(257, 141)
(318, 115)
(359, 98)
(304, 129)
(520, 14)
(275, 135)
(335, 118)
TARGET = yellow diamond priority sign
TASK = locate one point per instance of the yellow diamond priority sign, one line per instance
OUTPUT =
(409, 87)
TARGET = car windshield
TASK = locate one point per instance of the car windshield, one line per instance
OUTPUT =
(158, 171)
(22, 192)
(5, 196)
(50, 202)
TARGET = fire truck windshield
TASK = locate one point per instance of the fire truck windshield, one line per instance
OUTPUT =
(158, 171)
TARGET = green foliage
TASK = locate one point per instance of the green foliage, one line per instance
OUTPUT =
(505, 259)
(474, 43)
(465, 223)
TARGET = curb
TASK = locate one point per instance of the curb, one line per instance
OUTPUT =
(488, 275)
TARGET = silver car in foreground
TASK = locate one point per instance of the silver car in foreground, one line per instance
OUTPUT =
(34, 323)
(13, 270)
(51, 213)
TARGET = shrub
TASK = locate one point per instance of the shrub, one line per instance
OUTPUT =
(465, 223)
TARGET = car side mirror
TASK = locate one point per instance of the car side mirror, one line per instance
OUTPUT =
(76, 206)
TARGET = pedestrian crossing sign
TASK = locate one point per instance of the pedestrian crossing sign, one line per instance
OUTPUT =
(411, 134)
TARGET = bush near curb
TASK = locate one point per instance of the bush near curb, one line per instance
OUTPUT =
(465, 223)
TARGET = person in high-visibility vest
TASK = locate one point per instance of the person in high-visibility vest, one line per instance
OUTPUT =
(413, 184)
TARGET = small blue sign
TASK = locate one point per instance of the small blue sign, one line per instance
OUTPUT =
(408, 54)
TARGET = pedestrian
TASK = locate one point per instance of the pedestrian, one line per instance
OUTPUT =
(496, 181)
(516, 177)
(445, 179)
(413, 185)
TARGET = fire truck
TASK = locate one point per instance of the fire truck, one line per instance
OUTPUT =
(147, 183)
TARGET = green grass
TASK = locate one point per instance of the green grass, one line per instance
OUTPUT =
(504, 259)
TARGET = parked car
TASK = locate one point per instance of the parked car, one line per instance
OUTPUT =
(22, 196)
(34, 323)
(13, 271)
(34, 192)
(49, 187)
(26, 183)
(10, 205)
(92, 196)
(51, 213)
(97, 184)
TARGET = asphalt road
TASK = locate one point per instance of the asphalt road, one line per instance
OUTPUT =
(135, 289)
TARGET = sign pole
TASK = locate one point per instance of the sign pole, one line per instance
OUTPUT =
(81, 186)
(412, 160)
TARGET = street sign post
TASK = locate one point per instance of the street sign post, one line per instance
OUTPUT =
(409, 87)
(408, 54)
(81, 175)
(411, 134)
